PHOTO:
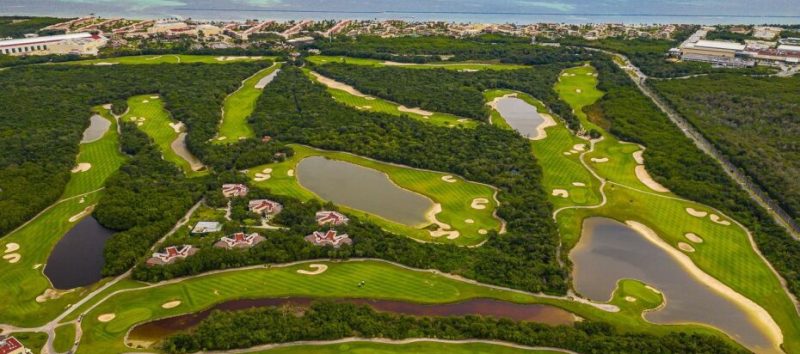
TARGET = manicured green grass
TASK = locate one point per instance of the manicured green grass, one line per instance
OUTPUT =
(418, 347)
(103, 154)
(65, 337)
(376, 104)
(166, 59)
(455, 198)
(465, 66)
(340, 280)
(239, 105)
(156, 124)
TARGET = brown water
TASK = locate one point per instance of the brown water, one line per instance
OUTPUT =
(520, 115)
(98, 126)
(609, 251)
(156, 330)
(362, 188)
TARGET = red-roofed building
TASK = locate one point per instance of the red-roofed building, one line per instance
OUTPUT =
(264, 207)
(234, 190)
(329, 238)
(239, 240)
(331, 217)
(171, 254)
(10, 345)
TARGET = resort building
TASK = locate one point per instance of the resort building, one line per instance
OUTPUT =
(329, 238)
(239, 240)
(74, 43)
(171, 254)
(265, 207)
(331, 217)
(234, 190)
(10, 345)
(205, 227)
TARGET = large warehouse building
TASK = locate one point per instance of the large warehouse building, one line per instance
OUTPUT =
(73, 43)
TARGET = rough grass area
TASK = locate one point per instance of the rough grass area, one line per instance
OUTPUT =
(65, 337)
(455, 198)
(166, 59)
(459, 66)
(418, 347)
(239, 105)
(104, 156)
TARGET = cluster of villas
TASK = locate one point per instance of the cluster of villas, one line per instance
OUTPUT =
(241, 240)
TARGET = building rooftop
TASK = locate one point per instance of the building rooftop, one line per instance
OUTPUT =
(9, 345)
(34, 40)
(206, 226)
(789, 48)
(704, 43)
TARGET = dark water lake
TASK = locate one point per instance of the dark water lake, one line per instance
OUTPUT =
(77, 258)
(520, 115)
(362, 188)
(609, 251)
(156, 330)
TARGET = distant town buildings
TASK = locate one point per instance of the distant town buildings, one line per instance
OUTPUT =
(10, 345)
(171, 254)
(205, 227)
(329, 238)
(234, 190)
(734, 54)
(239, 240)
(83, 43)
(331, 218)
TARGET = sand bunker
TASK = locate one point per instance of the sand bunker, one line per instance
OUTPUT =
(483, 231)
(469, 221)
(479, 203)
(145, 101)
(648, 287)
(444, 229)
(51, 294)
(260, 177)
(80, 215)
(696, 213)
(222, 138)
(579, 184)
(290, 173)
(153, 97)
(11, 247)
(449, 179)
(685, 247)
(106, 317)
(419, 111)
(693, 237)
(578, 91)
(177, 127)
(338, 85)
(104, 63)
(630, 299)
(266, 170)
(715, 218)
(364, 108)
(82, 200)
(579, 147)
(12, 257)
(179, 147)
(319, 269)
(82, 167)
(648, 181)
(638, 157)
(171, 304)
(563, 193)
(599, 160)
(567, 153)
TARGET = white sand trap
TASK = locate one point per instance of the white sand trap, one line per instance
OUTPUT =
(12, 257)
(444, 229)
(415, 110)
(104, 63)
(715, 218)
(691, 236)
(567, 153)
(578, 91)
(369, 98)
(176, 126)
(479, 203)
(153, 97)
(37, 266)
(82, 167)
(630, 299)
(11, 247)
(579, 147)
(463, 120)
(107, 106)
(541, 133)
(266, 170)
(106, 317)
(290, 173)
(696, 213)
(318, 269)
(83, 213)
(260, 177)
(638, 157)
(469, 221)
(648, 287)
(449, 179)
(222, 138)
(685, 247)
(51, 294)
(171, 304)
(139, 124)
(82, 200)
(599, 160)
(483, 231)
(145, 101)
(563, 193)
(579, 184)
(338, 85)
(648, 181)
(364, 108)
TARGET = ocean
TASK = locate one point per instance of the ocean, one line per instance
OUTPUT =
(484, 11)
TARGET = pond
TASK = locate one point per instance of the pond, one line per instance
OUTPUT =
(98, 126)
(520, 115)
(179, 146)
(609, 251)
(156, 330)
(77, 258)
(362, 188)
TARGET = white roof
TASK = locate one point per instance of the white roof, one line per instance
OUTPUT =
(789, 48)
(718, 45)
(60, 37)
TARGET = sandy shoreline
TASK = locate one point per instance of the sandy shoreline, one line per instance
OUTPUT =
(547, 119)
(647, 180)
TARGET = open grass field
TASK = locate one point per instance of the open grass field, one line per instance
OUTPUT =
(726, 252)
(239, 105)
(376, 104)
(383, 281)
(148, 112)
(37, 238)
(460, 66)
(455, 198)
(65, 337)
(165, 59)
(418, 347)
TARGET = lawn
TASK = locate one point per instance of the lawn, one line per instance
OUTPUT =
(416, 347)
(461, 66)
(65, 337)
(239, 105)
(455, 198)
(166, 59)
(148, 113)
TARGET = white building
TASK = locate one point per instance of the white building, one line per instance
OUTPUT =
(74, 43)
